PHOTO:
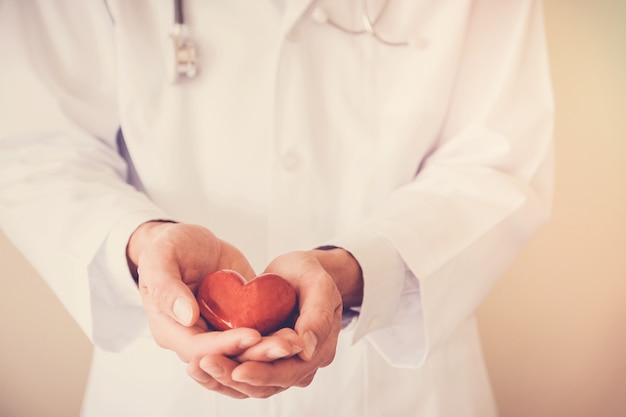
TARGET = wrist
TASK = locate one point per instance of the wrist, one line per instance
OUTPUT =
(345, 270)
(140, 239)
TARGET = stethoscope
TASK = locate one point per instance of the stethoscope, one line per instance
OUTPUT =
(369, 26)
(186, 55)
(185, 51)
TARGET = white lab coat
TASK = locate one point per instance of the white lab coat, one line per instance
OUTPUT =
(431, 163)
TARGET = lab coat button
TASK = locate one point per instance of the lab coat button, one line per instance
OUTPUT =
(291, 161)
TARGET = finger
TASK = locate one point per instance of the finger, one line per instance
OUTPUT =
(220, 370)
(223, 344)
(167, 332)
(210, 383)
(281, 344)
(320, 312)
(160, 280)
(283, 373)
(194, 342)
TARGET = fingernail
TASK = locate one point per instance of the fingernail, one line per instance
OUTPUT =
(248, 341)
(310, 343)
(276, 353)
(182, 310)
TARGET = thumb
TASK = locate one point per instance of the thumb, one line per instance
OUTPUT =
(165, 292)
(320, 314)
(185, 309)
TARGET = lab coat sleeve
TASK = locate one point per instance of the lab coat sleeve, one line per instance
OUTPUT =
(431, 252)
(64, 199)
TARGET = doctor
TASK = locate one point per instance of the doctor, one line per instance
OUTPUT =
(410, 140)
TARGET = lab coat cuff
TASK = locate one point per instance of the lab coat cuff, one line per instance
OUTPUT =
(114, 257)
(383, 279)
(403, 342)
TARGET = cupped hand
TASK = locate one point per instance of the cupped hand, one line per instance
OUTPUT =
(171, 260)
(318, 325)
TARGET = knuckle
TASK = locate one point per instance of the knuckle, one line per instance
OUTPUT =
(323, 317)
(161, 297)
(306, 381)
(329, 359)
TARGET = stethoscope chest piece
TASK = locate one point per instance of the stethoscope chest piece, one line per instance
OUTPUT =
(185, 59)
(185, 54)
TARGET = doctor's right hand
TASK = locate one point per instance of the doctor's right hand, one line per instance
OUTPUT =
(170, 261)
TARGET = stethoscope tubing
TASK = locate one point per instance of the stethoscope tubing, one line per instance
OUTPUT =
(186, 64)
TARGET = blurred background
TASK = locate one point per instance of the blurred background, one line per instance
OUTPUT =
(554, 328)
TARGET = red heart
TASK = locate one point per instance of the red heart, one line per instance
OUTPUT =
(265, 303)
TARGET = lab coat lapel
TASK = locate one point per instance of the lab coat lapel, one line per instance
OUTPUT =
(294, 10)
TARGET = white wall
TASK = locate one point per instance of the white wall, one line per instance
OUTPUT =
(554, 328)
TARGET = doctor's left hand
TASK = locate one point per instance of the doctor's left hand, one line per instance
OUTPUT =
(325, 281)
